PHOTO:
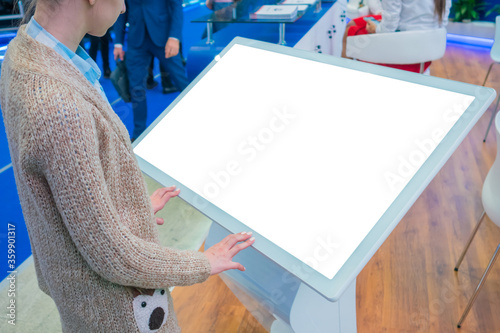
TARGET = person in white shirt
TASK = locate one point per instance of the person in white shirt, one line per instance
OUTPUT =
(407, 15)
(402, 15)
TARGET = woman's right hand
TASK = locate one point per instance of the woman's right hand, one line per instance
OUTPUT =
(221, 254)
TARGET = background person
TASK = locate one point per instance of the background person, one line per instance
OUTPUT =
(103, 44)
(155, 29)
(402, 15)
(409, 15)
(166, 84)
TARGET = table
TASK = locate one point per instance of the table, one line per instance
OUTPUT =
(319, 29)
(240, 11)
(320, 169)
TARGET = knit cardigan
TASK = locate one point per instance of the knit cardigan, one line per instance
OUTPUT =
(90, 220)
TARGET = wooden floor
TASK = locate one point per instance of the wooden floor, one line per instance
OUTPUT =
(409, 285)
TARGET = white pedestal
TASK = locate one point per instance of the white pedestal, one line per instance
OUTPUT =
(312, 313)
(268, 291)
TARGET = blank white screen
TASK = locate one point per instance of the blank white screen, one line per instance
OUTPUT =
(307, 154)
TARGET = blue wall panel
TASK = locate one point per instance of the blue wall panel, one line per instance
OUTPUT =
(11, 213)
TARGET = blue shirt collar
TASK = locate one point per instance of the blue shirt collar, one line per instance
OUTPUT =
(81, 60)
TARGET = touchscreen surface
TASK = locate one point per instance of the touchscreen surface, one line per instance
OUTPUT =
(308, 154)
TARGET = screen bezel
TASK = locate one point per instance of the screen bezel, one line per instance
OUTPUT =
(333, 288)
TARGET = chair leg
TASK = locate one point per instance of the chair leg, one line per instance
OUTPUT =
(488, 73)
(469, 242)
(479, 286)
(496, 107)
(495, 110)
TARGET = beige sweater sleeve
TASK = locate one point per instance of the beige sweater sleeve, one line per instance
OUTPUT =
(68, 148)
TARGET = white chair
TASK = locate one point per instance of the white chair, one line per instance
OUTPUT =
(491, 205)
(399, 48)
(495, 56)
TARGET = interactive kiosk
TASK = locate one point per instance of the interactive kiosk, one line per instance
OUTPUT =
(320, 157)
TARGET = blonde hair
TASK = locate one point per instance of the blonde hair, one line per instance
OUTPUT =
(30, 6)
(29, 9)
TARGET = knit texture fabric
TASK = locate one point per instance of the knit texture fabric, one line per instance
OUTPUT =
(89, 217)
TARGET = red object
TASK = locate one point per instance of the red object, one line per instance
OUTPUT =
(359, 28)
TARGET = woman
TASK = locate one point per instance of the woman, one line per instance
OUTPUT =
(90, 220)
(402, 15)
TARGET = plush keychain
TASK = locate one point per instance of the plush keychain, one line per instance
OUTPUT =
(150, 308)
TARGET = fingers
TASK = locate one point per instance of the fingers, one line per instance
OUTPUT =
(159, 221)
(169, 53)
(167, 191)
(231, 240)
(236, 265)
(221, 254)
(237, 242)
(172, 191)
(241, 246)
(159, 192)
(164, 190)
(171, 48)
(167, 195)
(118, 53)
(161, 196)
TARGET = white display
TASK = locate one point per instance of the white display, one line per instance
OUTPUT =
(307, 154)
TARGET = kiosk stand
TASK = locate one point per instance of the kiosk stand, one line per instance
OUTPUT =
(320, 157)
(295, 306)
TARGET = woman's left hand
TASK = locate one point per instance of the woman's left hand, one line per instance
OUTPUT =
(160, 197)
